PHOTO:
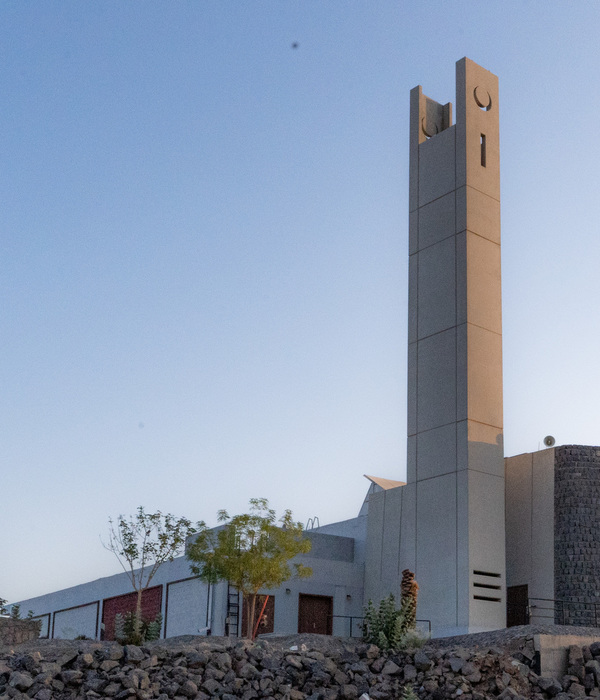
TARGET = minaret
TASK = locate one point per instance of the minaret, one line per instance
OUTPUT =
(455, 451)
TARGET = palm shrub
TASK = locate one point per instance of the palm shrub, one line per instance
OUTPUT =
(125, 629)
(391, 627)
(387, 624)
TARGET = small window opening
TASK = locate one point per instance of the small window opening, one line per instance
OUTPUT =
(482, 146)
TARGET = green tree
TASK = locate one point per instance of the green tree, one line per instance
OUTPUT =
(3, 610)
(252, 551)
(142, 543)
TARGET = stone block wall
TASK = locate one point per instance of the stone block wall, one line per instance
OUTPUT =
(577, 535)
(18, 631)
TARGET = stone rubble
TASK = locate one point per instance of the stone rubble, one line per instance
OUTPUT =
(201, 668)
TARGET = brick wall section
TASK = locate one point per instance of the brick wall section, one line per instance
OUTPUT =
(151, 606)
(577, 534)
(18, 631)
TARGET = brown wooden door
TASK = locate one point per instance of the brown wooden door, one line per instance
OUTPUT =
(315, 614)
(517, 605)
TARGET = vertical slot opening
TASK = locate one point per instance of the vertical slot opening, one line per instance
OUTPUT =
(482, 146)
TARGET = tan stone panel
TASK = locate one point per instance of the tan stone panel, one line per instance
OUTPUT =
(437, 288)
(436, 452)
(477, 116)
(436, 400)
(484, 295)
(484, 381)
(478, 212)
(436, 166)
(436, 221)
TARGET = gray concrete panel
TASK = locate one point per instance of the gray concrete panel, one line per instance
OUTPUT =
(436, 450)
(436, 167)
(415, 128)
(187, 611)
(542, 528)
(518, 479)
(411, 389)
(408, 528)
(437, 380)
(331, 547)
(436, 550)
(437, 288)
(462, 367)
(436, 221)
(69, 624)
(374, 548)
(390, 571)
(411, 459)
(486, 520)
(413, 280)
(461, 277)
(413, 232)
(463, 563)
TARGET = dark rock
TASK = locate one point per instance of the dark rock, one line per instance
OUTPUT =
(133, 654)
(390, 669)
(550, 686)
(456, 663)
(20, 681)
(422, 661)
(410, 673)
(188, 689)
(349, 692)
(577, 690)
(212, 686)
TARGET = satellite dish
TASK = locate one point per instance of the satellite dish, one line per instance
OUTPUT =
(549, 441)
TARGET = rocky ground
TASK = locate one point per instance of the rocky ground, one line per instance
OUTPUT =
(314, 667)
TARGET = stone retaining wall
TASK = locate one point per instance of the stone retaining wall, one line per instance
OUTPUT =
(18, 631)
(577, 534)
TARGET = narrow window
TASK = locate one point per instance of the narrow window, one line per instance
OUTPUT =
(482, 145)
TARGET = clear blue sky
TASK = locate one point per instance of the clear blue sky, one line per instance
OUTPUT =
(203, 252)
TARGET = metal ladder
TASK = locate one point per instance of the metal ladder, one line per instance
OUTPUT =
(232, 619)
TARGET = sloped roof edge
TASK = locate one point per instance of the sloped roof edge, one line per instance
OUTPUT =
(385, 484)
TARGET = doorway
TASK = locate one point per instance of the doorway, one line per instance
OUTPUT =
(315, 614)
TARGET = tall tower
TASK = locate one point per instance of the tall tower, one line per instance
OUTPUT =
(455, 450)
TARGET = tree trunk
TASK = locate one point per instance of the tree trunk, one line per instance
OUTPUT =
(137, 625)
(250, 616)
